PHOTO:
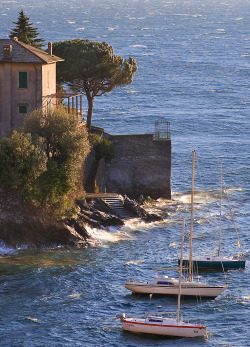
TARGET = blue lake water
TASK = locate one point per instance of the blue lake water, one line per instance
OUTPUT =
(193, 69)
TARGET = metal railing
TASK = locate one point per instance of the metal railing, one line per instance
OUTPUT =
(162, 130)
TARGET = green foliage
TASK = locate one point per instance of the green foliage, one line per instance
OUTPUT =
(103, 148)
(81, 197)
(44, 159)
(25, 32)
(65, 141)
(92, 68)
(94, 139)
(23, 160)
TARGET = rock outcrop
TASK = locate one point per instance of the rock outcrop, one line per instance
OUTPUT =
(23, 225)
(97, 213)
(133, 206)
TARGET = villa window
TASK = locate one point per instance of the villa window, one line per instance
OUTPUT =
(23, 80)
(23, 109)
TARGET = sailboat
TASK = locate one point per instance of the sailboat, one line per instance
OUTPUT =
(170, 286)
(158, 325)
(211, 261)
(166, 285)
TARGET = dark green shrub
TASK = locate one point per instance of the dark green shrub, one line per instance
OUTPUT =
(103, 148)
(94, 139)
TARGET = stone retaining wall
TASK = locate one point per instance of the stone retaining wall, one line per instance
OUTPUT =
(141, 166)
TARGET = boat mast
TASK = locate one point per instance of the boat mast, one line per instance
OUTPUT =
(220, 206)
(180, 270)
(192, 220)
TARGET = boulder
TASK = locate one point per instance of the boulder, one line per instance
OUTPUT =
(134, 207)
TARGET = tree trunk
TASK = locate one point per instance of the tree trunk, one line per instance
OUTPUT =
(90, 110)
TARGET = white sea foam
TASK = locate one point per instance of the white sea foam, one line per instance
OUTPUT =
(198, 237)
(75, 295)
(135, 18)
(136, 224)
(135, 262)
(138, 46)
(173, 244)
(220, 31)
(206, 219)
(107, 235)
(35, 320)
(50, 298)
(246, 298)
(46, 298)
(4, 250)
(235, 189)
(132, 92)
(200, 197)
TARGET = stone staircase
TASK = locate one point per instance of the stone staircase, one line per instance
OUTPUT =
(116, 204)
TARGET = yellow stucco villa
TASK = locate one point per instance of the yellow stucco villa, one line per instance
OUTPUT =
(27, 82)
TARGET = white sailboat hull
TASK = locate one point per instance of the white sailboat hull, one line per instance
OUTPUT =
(163, 326)
(187, 289)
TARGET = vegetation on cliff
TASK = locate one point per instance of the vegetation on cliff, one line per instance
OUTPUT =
(103, 148)
(44, 159)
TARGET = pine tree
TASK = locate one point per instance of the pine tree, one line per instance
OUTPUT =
(92, 68)
(25, 32)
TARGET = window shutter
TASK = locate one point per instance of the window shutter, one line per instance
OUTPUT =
(22, 109)
(23, 80)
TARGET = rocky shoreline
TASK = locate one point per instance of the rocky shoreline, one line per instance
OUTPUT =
(23, 225)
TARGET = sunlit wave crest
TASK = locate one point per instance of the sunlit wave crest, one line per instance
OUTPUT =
(35, 320)
(134, 262)
(107, 235)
